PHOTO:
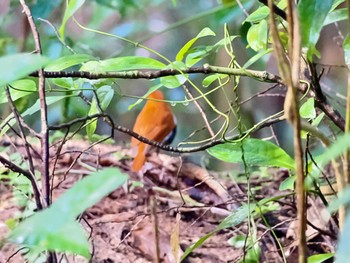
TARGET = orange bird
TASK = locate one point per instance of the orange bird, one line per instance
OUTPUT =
(155, 122)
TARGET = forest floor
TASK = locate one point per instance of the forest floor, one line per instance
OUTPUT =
(183, 202)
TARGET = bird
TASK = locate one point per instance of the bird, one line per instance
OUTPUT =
(156, 122)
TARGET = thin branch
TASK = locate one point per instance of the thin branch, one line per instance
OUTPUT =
(201, 111)
(263, 76)
(43, 110)
(17, 169)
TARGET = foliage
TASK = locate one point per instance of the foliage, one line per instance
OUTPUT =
(106, 61)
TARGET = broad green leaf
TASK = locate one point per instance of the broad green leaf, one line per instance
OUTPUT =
(234, 219)
(171, 82)
(18, 89)
(256, 57)
(205, 32)
(33, 109)
(68, 61)
(319, 258)
(336, 16)
(259, 14)
(47, 229)
(312, 15)
(122, 64)
(256, 152)
(196, 54)
(14, 67)
(318, 119)
(335, 150)
(105, 95)
(287, 184)
(307, 110)
(72, 7)
(66, 83)
(343, 199)
(153, 88)
(211, 78)
(257, 36)
(89, 191)
(346, 46)
(263, 12)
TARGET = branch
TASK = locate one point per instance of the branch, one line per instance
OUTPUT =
(17, 169)
(263, 76)
(162, 146)
(43, 110)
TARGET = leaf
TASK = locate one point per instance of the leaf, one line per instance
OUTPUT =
(263, 12)
(256, 57)
(21, 88)
(122, 64)
(335, 150)
(92, 124)
(205, 32)
(346, 46)
(55, 228)
(257, 36)
(312, 15)
(256, 152)
(211, 78)
(153, 88)
(307, 110)
(33, 109)
(14, 67)
(336, 16)
(319, 258)
(72, 7)
(68, 61)
(89, 191)
(105, 95)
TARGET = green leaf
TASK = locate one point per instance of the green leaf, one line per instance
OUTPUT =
(257, 36)
(287, 184)
(55, 228)
(263, 12)
(336, 16)
(312, 15)
(72, 7)
(307, 110)
(256, 152)
(89, 191)
(205, 32)
(33, 109)
(256, 57)
(335, 150)
(211, 78)
(105, 95)
(21, 88)
(68, 61)
(14, 67)
(122, 64)
(319, 258)
(346, 46)
(92, 124)
(153, 88)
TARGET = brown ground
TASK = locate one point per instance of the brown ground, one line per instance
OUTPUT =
(122, 224)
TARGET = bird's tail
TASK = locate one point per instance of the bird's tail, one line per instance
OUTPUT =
(140, 158)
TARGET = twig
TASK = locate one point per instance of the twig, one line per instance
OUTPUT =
(13, 167)
(43, 111)
(204, 116)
